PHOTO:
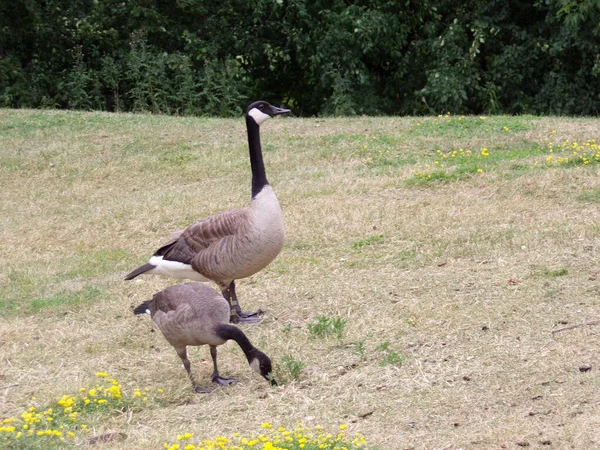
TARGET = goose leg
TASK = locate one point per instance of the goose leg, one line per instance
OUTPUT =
(216, 378)
(237, 315)
(181, 351)
(244, 317)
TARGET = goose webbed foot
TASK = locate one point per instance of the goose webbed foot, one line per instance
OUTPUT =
(223, 381)
(201, 390)
(246, 317)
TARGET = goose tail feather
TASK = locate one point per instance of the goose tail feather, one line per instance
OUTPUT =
(139, 271)
(144, 308)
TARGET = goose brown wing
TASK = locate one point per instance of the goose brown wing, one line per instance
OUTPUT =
(201, 235)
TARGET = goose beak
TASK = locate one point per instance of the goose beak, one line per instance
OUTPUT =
(277, 111)
(270, 379)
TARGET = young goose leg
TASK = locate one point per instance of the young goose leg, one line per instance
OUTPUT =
(237, 315)
(216, 378)
(181, 351)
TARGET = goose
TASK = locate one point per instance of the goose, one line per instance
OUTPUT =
(195, 314)
(232, 244)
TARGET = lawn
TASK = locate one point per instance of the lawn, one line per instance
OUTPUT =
(437, 290)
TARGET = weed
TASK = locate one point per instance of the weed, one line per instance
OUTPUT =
(389, 356)
(273, 438)
(359, 349)
(68, 419)
(290, 367)
(325, 326)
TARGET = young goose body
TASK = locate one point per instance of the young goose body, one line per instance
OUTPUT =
(232, 244)
(194, 314)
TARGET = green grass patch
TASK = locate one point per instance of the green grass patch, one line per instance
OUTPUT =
(92, 264)
(591, 196)
(546, 272)
(25, 296)
(368, 241)
(469, 126)
(323, 326)
(389, 357)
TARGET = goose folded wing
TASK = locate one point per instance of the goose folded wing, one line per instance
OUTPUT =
(198, 237)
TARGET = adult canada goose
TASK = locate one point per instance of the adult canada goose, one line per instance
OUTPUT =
(195, 314)
(232, 244)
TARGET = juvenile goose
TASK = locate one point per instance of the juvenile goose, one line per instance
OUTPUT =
(194, 314)
(232, 244)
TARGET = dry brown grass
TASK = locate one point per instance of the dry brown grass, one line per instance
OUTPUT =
(465, 280)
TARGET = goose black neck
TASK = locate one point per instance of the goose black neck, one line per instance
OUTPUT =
(227, 332)
(259, 177)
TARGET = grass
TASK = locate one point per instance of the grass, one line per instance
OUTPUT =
(323, 326)
(448, 278)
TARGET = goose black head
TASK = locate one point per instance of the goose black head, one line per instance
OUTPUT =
(261, 364)
(261, 111)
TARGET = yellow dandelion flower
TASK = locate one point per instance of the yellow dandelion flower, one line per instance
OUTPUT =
(267, 425)
(92, 392)
(160, 391)
(71, 434)
(102, 374)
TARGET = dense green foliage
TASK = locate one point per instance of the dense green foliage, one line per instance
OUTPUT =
(317, 56)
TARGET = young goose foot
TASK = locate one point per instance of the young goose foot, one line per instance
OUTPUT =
(246, 317)
(201, 390)
(224, 381)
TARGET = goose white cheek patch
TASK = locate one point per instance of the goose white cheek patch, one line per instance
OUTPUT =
(255, 364)
(258, 116)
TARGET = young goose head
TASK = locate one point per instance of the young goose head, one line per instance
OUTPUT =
(260, 111)
(261, 364)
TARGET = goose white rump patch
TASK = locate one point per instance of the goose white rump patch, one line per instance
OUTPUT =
(174, 269)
